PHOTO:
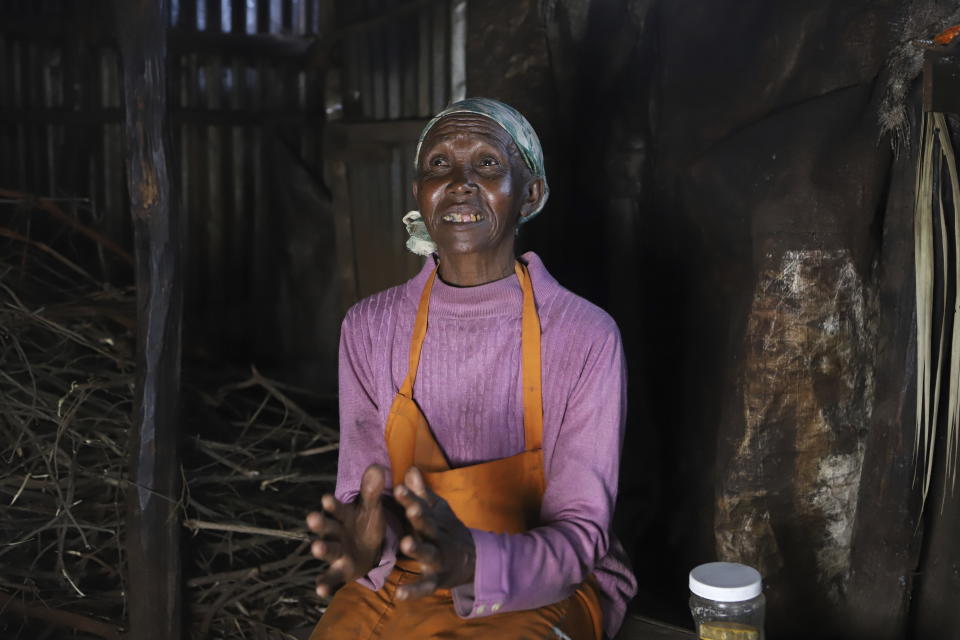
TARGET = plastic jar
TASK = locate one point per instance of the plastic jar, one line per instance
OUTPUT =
(726, 600)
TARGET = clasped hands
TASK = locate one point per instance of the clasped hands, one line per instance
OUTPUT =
(350, 536)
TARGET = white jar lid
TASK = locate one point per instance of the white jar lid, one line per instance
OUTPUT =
(726, 582)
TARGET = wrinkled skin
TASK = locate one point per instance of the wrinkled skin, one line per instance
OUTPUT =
(440, 542)
(350, 535)
(472, 188)
(468, 165)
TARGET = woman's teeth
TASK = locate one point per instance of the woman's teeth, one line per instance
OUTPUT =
(462, 217)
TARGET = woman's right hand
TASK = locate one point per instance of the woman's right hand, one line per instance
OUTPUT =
(350, 535)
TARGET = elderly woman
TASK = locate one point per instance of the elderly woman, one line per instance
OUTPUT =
(491, 400)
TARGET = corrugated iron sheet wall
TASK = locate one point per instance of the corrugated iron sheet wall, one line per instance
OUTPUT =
(235, 72)
(237, 78)
(60, 117)
(393, 76)
(239, 82)
(401, 68)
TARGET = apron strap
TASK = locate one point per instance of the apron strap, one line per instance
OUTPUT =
(419, 333)
(529, 352)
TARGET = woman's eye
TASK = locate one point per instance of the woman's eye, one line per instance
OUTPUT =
(489, 162)
(438, 161)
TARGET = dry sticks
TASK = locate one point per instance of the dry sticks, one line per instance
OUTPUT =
(64, 413)
(257, 456)
(260, 460)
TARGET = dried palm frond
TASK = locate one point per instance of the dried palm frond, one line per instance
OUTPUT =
(953, 415)
(936, 151)
(924, 274)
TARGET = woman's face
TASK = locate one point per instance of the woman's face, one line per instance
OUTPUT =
(472, 186)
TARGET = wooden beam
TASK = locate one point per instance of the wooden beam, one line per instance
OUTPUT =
(269, 45)
(393, 131)
(39, 27)
(317, 55)
(153, 527)
(61, 116)
(213, 117)
(887, 538)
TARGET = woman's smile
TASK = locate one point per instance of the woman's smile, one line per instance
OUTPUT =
(462, 214)
(463, 218)
(472, 186)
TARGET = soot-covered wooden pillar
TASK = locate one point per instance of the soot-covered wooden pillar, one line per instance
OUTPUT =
(153, 556)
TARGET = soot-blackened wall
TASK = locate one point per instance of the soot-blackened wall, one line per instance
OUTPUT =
(728, 189)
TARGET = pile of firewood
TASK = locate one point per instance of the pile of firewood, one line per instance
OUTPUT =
(258, 463)
(256, 456)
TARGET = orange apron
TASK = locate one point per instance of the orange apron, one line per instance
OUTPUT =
(502, 496)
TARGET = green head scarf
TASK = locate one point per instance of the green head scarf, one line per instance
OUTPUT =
(519, 130)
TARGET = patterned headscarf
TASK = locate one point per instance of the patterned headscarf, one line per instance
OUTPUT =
(519, 130)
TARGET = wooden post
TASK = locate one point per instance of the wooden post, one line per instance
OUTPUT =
(153, 528)
(887, 540)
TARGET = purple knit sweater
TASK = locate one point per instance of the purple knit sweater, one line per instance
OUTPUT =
(468, 387)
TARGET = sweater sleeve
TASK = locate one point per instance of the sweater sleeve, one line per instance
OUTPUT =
(548, 563)
(361, 433)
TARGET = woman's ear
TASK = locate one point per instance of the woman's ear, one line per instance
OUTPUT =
(533, 197)
(416, 189)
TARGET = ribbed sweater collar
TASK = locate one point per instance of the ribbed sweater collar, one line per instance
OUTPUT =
(499, 298)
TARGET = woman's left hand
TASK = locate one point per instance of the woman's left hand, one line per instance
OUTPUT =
(441, 543)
